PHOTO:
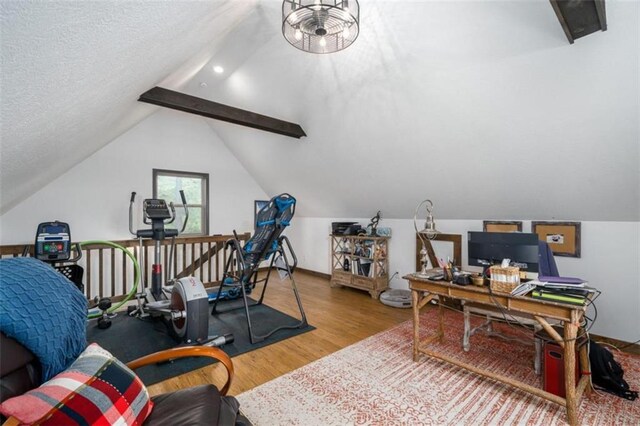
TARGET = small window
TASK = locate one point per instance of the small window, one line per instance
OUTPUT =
(167, 185)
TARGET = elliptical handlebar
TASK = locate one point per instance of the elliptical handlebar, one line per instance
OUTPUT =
(186, 212)
(173, 213)
(172, 216)
(78, 256)
(131, 203)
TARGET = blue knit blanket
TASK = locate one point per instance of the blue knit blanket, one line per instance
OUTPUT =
(44, 311)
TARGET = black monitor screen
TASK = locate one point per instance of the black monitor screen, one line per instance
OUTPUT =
(257, 206)
(492, 247)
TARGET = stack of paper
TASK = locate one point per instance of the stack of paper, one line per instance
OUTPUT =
(561, 289)
(523, 288)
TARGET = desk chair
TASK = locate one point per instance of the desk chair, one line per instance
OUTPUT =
(546, 266)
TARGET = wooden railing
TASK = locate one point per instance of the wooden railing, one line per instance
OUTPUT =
(108, 272)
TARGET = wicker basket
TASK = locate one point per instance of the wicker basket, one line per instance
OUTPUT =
(477, 280)
(504, 280)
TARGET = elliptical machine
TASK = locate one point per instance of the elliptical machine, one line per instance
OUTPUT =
(184, 303)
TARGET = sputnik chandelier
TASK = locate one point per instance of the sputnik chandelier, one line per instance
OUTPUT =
(320, 26)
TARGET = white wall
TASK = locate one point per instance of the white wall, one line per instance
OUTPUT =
(492, 108)
(93, 196)
(609, 260)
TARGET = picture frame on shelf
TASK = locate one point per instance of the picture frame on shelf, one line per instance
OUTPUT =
(502, 226)
(563, 237)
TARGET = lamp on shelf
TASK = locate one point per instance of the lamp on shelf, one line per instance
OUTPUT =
(320, 26)
(428, 233)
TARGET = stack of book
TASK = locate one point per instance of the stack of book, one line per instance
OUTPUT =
(573, 296)
(562, 289)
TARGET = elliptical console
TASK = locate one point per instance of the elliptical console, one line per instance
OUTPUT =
(53, 242)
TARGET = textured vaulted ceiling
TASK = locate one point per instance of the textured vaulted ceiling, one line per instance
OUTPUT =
(72, 72)
(481, 106)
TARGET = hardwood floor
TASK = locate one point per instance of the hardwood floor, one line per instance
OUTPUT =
(342, 316)
(614, 344)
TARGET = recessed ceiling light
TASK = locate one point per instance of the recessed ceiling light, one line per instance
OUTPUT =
(218, 69)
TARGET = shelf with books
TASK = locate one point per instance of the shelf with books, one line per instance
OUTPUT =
(360, 262)
(365, 257)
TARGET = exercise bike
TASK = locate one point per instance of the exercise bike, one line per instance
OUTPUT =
(53, 245)
(182, 303)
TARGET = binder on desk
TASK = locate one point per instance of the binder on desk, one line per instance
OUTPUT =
(564, 297)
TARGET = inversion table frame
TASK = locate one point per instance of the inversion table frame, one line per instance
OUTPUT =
(241, 267)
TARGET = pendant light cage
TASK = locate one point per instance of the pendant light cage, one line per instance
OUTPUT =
(320, 26)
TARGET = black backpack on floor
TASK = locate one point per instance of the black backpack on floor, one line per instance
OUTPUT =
(606, 373)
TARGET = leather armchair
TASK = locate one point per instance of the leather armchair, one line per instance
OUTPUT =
(199, 405)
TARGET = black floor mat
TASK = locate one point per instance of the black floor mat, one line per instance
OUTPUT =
(130, 338)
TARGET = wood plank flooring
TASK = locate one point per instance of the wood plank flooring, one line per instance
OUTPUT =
(342, 316)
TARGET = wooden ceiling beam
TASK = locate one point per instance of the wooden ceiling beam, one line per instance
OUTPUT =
(579, 18)
(194, 105)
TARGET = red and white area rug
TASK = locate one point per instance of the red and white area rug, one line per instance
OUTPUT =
(375, 382)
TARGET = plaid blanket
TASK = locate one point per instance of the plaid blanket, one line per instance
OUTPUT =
(97, 389)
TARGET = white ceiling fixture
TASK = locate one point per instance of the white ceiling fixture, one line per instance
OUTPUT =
(320, 26)
(218, 69)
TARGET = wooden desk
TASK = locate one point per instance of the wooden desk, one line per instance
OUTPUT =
(424, 290)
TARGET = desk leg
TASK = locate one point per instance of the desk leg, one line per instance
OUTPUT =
(415, 300)
(585, 366)
(466, 344)
(570, 332)
(440, 320)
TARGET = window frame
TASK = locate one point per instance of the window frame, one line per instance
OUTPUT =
(204, 177)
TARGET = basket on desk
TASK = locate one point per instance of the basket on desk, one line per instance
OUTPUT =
(504, 280)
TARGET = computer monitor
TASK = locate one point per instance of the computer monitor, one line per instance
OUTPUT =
(257, 206)
(491, 247)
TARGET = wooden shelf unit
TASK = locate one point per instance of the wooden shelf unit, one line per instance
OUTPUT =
(360, 262)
